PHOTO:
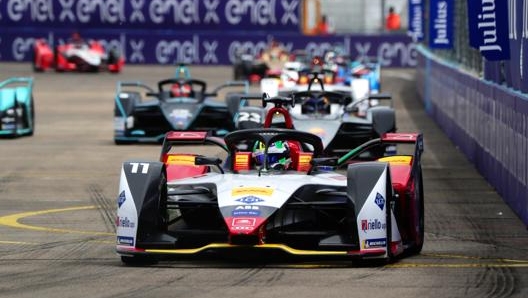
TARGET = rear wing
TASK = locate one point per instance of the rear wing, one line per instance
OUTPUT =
(387, 139)
(136, 85)
(353, 106)
(175, 138)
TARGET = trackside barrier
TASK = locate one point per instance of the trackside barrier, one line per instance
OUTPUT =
(170, 47)
(488, 122)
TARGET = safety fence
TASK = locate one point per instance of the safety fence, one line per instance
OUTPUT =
(476, 88)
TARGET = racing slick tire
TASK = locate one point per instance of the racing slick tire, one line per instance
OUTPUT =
(239, 72)
(36, 68)
(418, 230)
(32, 118)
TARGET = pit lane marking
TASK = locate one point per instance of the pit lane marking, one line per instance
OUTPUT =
(13, 221)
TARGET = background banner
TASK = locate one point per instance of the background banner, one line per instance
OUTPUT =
(215, 15)
(524, 47)
(168, 47)
(488, 28)
(441, 24)
(416, 20)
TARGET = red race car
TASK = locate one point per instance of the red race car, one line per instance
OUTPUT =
(76, 55)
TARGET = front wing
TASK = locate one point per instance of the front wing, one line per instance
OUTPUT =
(352, 221)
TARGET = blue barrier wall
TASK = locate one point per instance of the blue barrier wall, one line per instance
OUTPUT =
(487, 121)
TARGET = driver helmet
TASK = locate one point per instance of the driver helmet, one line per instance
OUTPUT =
(278, 155)
(181, 90)
(316, 105)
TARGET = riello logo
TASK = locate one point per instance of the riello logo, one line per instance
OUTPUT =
(369, 224)
(487, 23)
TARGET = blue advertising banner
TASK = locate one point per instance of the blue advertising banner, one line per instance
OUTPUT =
(524, 47)
(171, 47)
(441, 24)
(513, 66)
(416, 20)
(488, 28)
(217, 15)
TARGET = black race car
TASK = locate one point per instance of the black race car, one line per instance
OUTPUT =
(142, 114)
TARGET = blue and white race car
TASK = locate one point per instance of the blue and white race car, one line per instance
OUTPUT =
(17, 113)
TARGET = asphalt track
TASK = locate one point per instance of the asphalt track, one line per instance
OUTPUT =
(58, 193)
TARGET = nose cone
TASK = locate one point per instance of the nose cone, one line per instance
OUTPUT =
(247, 225)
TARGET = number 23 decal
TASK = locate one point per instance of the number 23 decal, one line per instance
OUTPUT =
(248, 116)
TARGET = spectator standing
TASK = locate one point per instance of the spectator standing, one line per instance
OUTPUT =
(323, 27)
(392, 21)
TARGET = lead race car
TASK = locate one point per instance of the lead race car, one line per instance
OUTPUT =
(17, 112)
(142, 114)
(274, 191)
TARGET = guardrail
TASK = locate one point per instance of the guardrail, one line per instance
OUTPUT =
(487, 121)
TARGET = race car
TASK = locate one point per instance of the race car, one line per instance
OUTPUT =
(76, 55)
(340, 122)
(274, 191)
(368, 69)
(142, 114)
(338, 73)
(268, 63)
(17, 112)
(300, 76)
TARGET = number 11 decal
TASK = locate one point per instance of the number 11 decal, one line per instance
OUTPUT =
(137, 165)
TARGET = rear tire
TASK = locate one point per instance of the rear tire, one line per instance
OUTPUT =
(36, 68)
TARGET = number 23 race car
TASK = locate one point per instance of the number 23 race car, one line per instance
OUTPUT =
(274, 191)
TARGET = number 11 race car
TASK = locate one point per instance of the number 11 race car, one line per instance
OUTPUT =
(273, 192)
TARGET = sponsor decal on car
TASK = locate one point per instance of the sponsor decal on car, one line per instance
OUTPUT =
(177, 159)
(373, 243)
(243, 223)
(372, 224)
(123, 240)
(380, 200)
(250, 200)
(247, 210)
(124, 222)
(121, 199)
(251, 190)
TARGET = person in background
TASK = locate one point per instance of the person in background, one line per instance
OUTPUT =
(323, 28)
(392, 21)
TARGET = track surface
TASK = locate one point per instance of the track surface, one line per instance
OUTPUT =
(58, 193)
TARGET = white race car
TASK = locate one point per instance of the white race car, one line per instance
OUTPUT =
(274, 191)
